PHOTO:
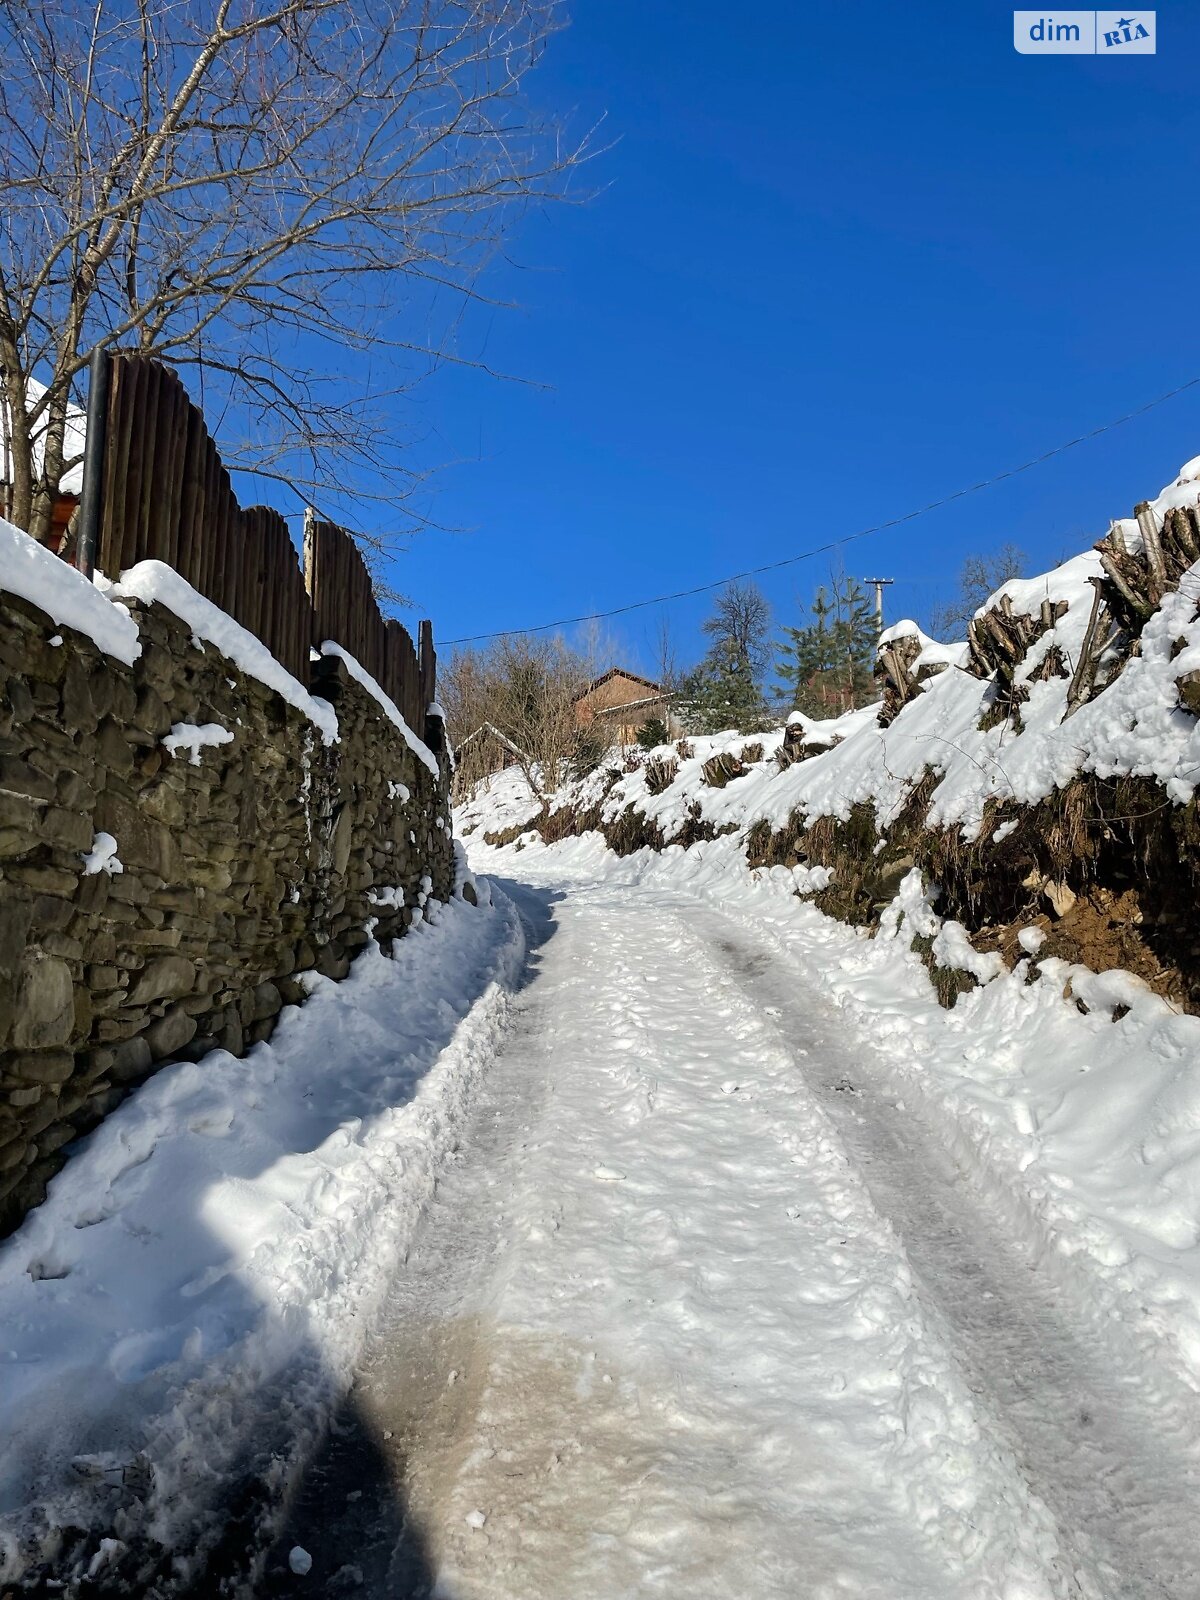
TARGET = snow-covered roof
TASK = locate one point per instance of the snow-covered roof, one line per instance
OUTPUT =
(73, 440)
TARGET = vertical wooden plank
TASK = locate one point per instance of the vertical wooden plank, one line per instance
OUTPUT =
(262, 589)
(344, 633)
(248, 597)
(244, 563)
(180, 407)
(393, 684)
(190, 493)
(310, 581)
(227, 551)
(272, 577)
(287, 620)
(210, 557)
(158, 540)
(148, 487)
(135, 453)
(240, 564)
(427, 662)
(116, 466)
(299, 606)
(197, 556)
(261, 573)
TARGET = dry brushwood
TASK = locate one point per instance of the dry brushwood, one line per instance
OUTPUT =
(1135, 582)
(1189, 692)
(718, 770)
(998, 641)
(1132, 587)
(899, 677)
(661, 772)
(797, 747)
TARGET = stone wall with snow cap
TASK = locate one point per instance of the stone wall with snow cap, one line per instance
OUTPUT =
(181, 846)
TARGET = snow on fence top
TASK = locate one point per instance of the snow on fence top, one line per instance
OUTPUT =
(167, 497)
(171, 530)
(152, 581)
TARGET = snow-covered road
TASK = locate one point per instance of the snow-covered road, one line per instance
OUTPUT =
(700, 1309)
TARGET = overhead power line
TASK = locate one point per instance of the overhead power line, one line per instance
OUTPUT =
(833, 544)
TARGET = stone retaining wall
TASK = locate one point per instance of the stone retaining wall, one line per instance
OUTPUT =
(244, 865)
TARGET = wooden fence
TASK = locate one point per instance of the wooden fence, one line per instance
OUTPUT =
(167, 497)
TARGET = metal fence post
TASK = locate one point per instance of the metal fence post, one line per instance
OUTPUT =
(91, 501)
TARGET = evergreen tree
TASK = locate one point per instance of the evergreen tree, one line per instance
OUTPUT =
(825, 666)
(725, 690)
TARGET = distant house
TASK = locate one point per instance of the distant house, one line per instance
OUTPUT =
(72, 482)
(624, 702)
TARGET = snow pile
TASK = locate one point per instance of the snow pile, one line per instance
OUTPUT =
(30, 571)
(192, 1294)
(102, 857)
(194, 737)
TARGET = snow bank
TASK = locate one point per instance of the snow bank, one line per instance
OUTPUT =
(222, 1239)
(1133, 727)
(32, 572)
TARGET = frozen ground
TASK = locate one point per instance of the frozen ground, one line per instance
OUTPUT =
(708, 1304)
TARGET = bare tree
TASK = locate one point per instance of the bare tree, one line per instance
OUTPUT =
(980, 577)
(524, 688)
(740, 627)
(287, 193)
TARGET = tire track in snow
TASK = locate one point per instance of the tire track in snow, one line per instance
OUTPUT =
(1108, 1446)
(695, 1361)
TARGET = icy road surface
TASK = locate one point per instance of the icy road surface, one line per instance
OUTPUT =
(699, 1310)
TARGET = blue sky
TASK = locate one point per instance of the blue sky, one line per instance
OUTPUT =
(845, 259)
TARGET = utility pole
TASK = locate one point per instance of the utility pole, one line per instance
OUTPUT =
(879, 584)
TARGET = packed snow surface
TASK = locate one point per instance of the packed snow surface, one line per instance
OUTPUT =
(809, 1286)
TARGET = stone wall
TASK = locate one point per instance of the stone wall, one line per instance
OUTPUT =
(243, 865)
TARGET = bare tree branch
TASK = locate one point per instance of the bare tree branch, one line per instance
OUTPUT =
(271, 191)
